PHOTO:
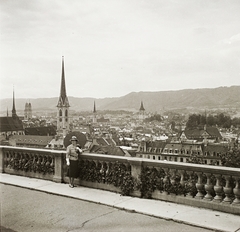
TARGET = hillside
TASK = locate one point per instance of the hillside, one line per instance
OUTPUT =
(222, 97)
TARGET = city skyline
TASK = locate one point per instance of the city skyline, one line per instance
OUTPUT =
(112, 48)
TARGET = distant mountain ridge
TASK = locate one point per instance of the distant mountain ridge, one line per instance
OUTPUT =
(222, 97)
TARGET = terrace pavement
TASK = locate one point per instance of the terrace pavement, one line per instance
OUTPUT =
(174, 213)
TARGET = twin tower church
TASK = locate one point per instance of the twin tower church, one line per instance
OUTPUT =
(63, 105)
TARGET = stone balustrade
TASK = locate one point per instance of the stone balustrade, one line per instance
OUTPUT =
(206, 186)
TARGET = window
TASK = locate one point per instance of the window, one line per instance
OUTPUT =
(154, 157)
(181, 159)
(66, 113)
(159, 157)
(60, 113)
(175, 159)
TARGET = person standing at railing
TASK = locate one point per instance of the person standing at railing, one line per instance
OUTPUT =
(72, 154)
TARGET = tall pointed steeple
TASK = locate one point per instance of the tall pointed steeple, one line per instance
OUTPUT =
(94, 108)
(141, 107)
(63, 99)
(14, 114)
(94, 113)
(141, 112)
(63, 108)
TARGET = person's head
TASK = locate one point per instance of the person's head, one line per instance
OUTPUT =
(74, 140)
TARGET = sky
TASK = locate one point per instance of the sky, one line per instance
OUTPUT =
(114, 47)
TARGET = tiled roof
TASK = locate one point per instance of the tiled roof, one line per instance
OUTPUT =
(43, 131)
(32, 140)
(10, 124)
(215, 148)
(198, 133)
(102, 142)
(213, 131)
(111, 142)
(156, 144)
(109, 150)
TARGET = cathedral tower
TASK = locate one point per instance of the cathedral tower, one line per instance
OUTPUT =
(28, 111)
(94, 113)
(63, 108)
(141, 112)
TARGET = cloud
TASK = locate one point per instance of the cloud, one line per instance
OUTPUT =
(115, 47)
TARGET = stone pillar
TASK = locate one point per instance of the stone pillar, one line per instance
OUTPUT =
(136, 169)
(1, 160)
(58, 167)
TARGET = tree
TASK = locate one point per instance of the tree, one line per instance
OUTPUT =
(231, 158)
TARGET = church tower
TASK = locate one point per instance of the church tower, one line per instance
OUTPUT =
(94, 113)
(141, 112)
(63, 108)
(28, 111)
(14, 113)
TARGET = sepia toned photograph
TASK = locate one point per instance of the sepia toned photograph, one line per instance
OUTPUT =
(119, 115)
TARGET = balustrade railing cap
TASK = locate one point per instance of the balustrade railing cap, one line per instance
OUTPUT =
(32, 149)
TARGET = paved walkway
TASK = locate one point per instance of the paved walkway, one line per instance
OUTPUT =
(199, 217)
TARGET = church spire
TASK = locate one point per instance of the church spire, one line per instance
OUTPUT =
(63, 100)
(94, 108)
(14, 114)
(141, 107)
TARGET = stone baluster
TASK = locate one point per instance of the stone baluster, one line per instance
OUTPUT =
(199, 186)
(173, 176)
(227, 190)
(189, 184)
(166, 181)
(6, 160)
(101, 170)
(3, 160)
(236, 191)
(24, 161)
(218, 189)
(108, 167)
(208, 188)
(182, 179)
